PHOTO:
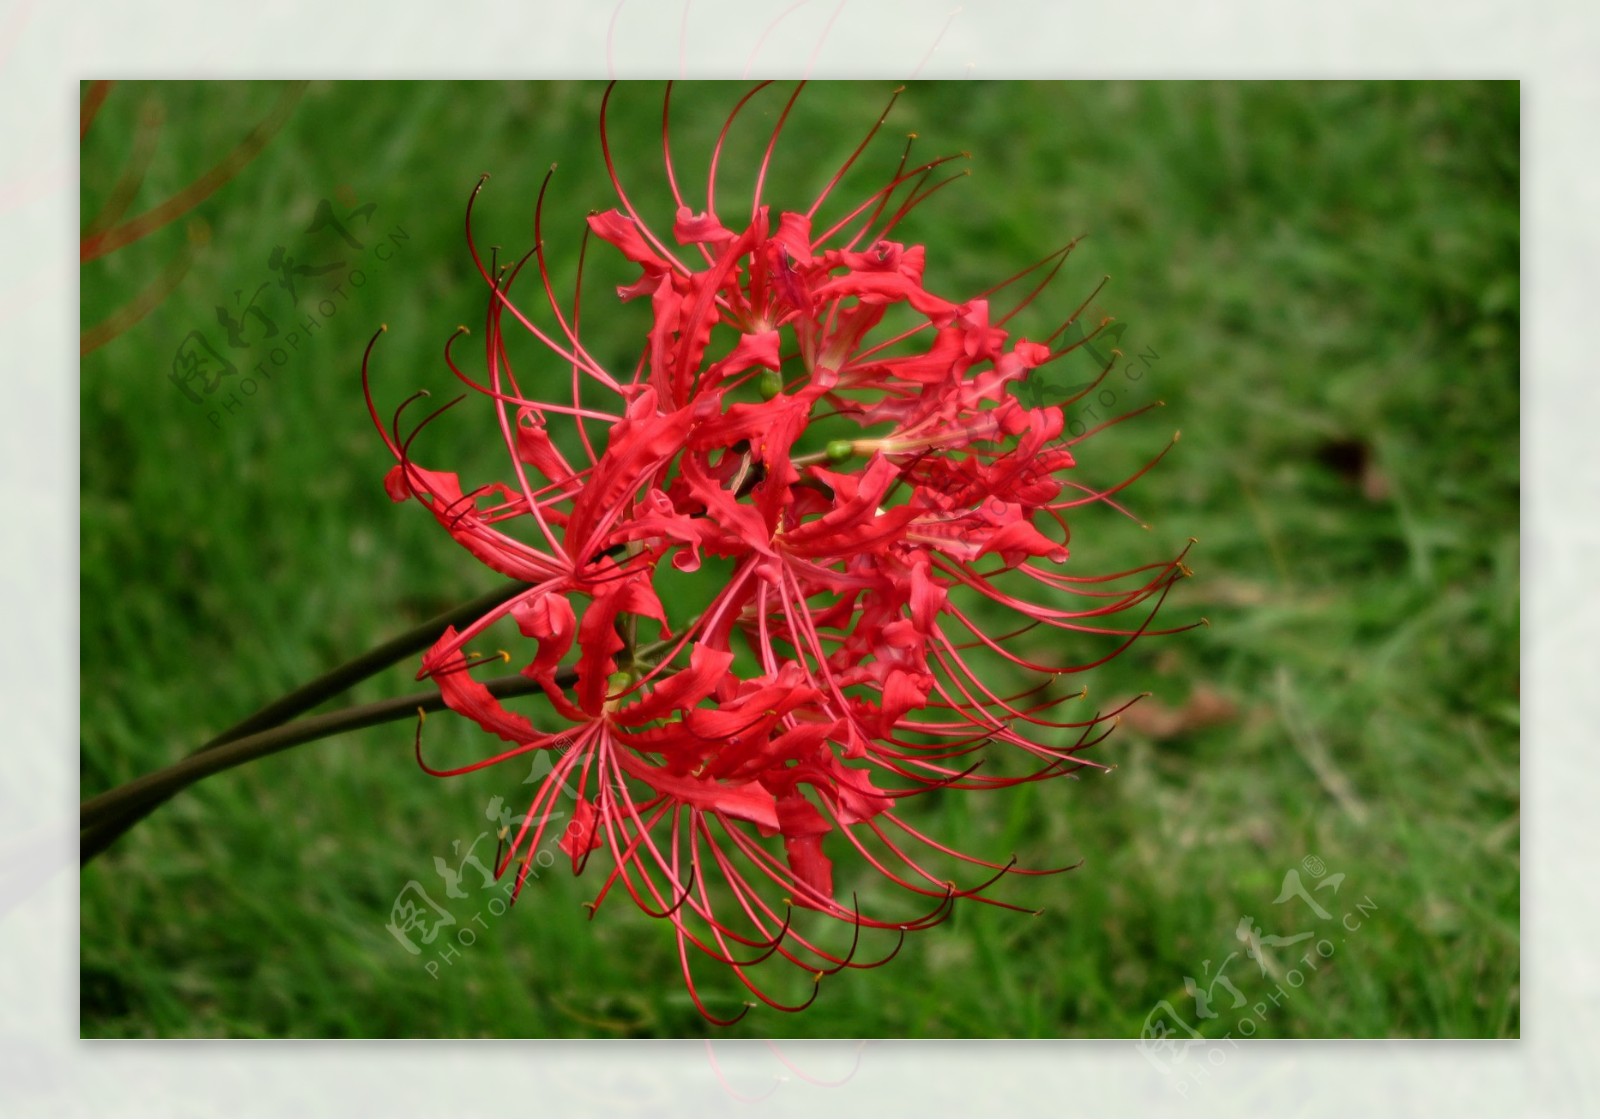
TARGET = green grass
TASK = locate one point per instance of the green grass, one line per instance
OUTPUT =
(1322, 281)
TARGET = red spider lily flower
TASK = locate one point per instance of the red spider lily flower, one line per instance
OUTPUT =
(879, 496)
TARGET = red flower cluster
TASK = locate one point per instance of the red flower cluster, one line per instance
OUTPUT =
(849, 448)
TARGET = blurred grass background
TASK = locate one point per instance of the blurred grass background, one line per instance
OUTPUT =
(1320, 281)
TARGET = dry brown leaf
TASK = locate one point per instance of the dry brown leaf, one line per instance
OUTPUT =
(1206, 707)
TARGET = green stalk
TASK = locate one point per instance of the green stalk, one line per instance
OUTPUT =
(110, 827)
(105, 817)
(108, 810)
(375, 660)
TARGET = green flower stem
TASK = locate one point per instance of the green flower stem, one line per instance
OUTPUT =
(375, 660)
(105, 817)
(107, 812)
(303, 699)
